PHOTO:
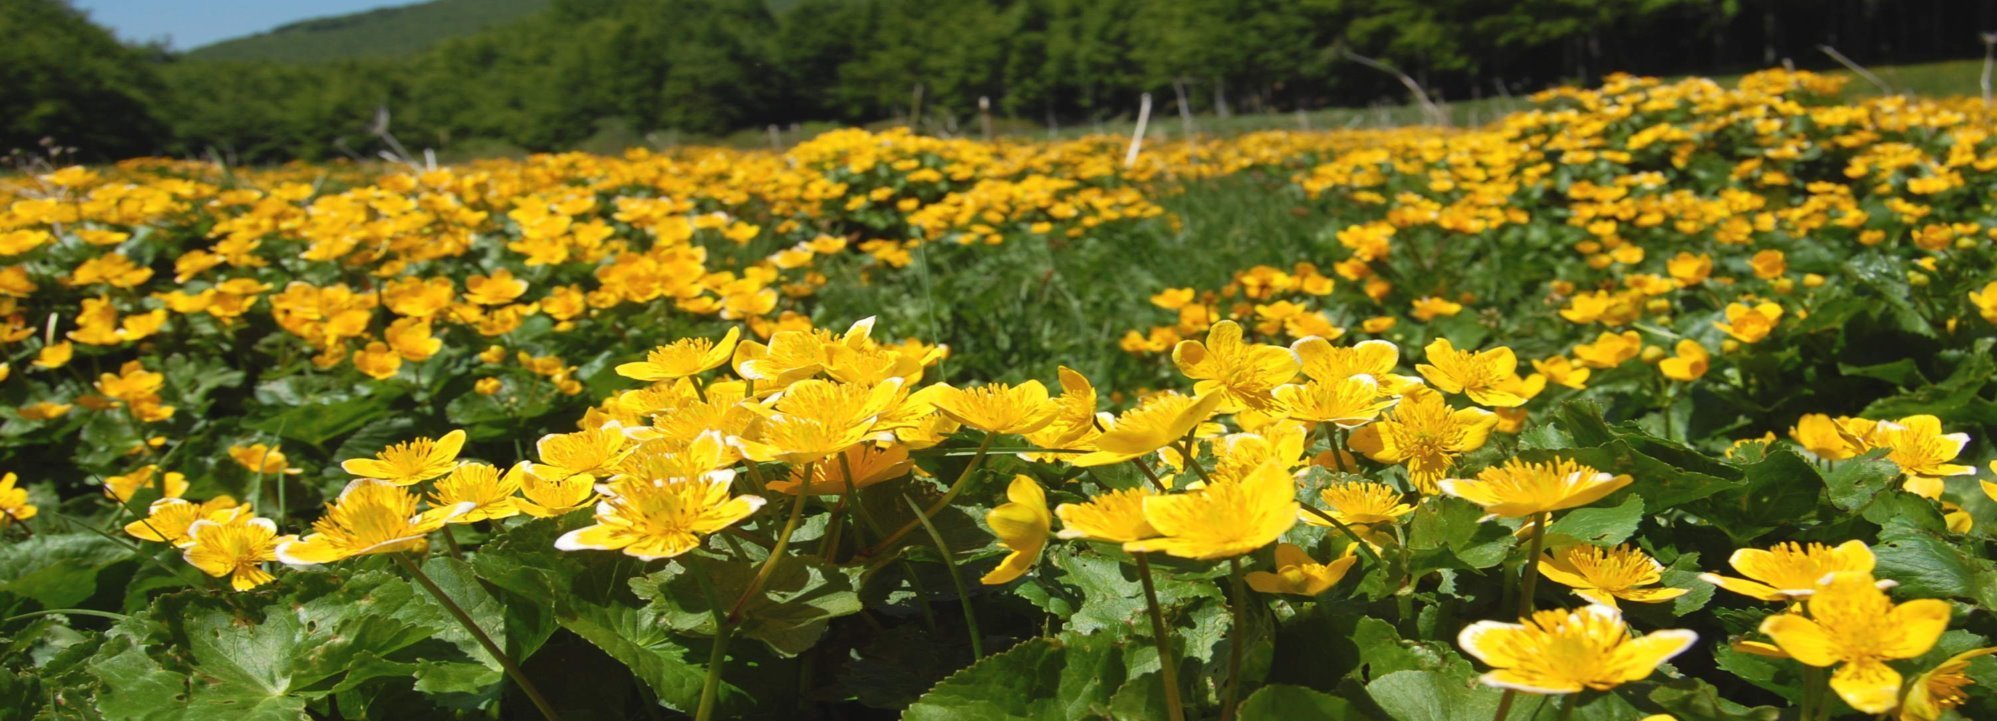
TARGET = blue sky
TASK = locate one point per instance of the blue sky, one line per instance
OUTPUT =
(194, 23)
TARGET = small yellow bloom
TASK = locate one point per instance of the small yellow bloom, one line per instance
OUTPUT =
(1690, 362)
(261, 458)
(368, 517)
(488, 491)
(1921, 449)
(550, 492)
(1610, 349)
(1986, 301)
(1222, 520)
(1298, 574)
(499, 288)
(1518, 488)
(1349, 403)
(378, 361)
(1563, 372)
(1825, 437)
(1155, 423)
(1940, 689)
(14, 505)
(167, 519)
(585, 451)
(683, 358)
(1750, 325)
(1853, 625)
(661, 518)
(410, 462)
(1560, 652)
(55, 355)
(870, 463)
(996, 408)
(1789, 571)
(1689, 269)
(44, 411)
(121, 488)
(236, 548)
(1240, 373)
(1426, 435)
(1428, 308)
(1021, 525)
(1489, 377)
(1360, 505)
(1603, 575)
(1114, 516)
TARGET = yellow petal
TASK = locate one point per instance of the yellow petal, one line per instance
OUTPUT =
(1802, 638)
(1916, 626)
(1869, 686)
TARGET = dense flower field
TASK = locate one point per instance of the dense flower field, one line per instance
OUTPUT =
(1656, 401)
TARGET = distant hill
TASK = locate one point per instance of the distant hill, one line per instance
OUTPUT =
(384, 32)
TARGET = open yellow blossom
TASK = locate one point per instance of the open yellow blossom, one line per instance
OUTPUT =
(369, 517)
(1689, 363)
(814, 418)
(483, 486)
(1428, 308)
(550, 492)
(1426, 435)
(1349, 403)
(1939, 689)
(1789, 571)
(1750, 325)
(1114, 516)
(1240, 373)
(1562, 372)
(55, 355)
(1074, 421)
(996, 408)
(262, 459)
(1985, 301)
(1827, 438)
(1689, 269)
(172, 484)
(499, 288)
(1918, 445)
(410, 462)
(167, 519)
(1603, 575)
(1853, 625)
(661, 518)
(236, 548)
(585, 451)
(378, 361)
(1610, 349)
(1153, 424)
(1298, 574)
(1560, 652)
(1021, 524)
(1519, 488)
(1325, 363)
(1360, 505)
(869, 463)
(1222, 520)
(1489, 377)
(14, 505)
(682, 358)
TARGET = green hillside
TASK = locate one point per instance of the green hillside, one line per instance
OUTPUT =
(385, 32)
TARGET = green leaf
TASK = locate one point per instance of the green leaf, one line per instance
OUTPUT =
(134, 686)
(1695, 700)
(1928, 565)
(1428, 696)
(637, 640)
(1043, 679)
(1113, 598)
(1281, 702)
(799, 600)
(314, 419)
(1854, 482)
(58, 570)
(1600, 526)
(1453, 524)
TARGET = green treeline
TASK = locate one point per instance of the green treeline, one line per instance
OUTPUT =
(618, 70)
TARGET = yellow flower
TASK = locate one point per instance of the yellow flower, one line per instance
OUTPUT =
(167, 519)
(1425, 434)
(1153, 424)
(14, 505)
(410, 462)
(1853, 625)
(1610, 349)
(1074, 421)
(550, 492)
(172, 484)
(1349, 403)
(378, 361)
(1986, 301)
(1297, 574)
(653, 519)
(1021, 525)
(55, 355)
(1689, 269)
(1559, 652)
(1222, 520)
(1327, 363)
(585, 451)
(499, 288)
(1115, 516)
(870, 464)
(1489, 377)
(814, 418)
(1603, 575)
(1429, 308)
(682, 358)
(1750, 325)
(1939, 689)
(1922, 450)
(261, 458)
(489, 493)
(1521, 488)
(996, 407)
(368, 518)
(1789, 571)
(1360, 505)
(1240, 373)
(1563, 372)
(1688, 365)
(1825, 437)
(236, 548)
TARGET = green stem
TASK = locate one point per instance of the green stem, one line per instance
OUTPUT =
(1364, 547)
(451, 540)
(65, 612)
(1168, 663)
(1240, 636)
(1186, 449)
(1156, 482)
(465, 619)
(956, 580)
(770, 562)
(937, 507)
(1505, 705)
(1567, 706)
(1530, 577)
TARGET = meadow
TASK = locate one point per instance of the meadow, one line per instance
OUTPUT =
(1659, 399)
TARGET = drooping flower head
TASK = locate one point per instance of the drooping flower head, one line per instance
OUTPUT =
(1560, 652)
(1021, 525)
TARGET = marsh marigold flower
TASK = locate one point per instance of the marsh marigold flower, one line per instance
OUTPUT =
(368, 517)
(1853, 625)
(1790, 570)
(1360, 505)
(489, 492)
(870, 464)
(1688, 364)
(1938, 690)
(1603, 575)
(1348, 403)
(1560, 652)
(172, 484)
(549, 492)
(1298, 574)
(1750, 324)
(1114, 516)
(661, 518)
(236, 548)
(1489, 377)
(996, 408)
(261, 458)
(1918, 445)
(1021, 525)
(1222, 520)
(1240, 373)
(14, 505)
(168, 519)
(1426, 435)
(410, 462)
(1519, 488)
(683, 358)
(1153, 424)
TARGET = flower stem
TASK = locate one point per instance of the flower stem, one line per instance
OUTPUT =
(1567, 706)
(1168, 663)
(937, 507)
(710, 685)
(472, 627)
(770, 562)
(1156, 482)
(1530, 576)
(1186, 447)
(1364, 547)
(1240, 636)
(956, 580)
